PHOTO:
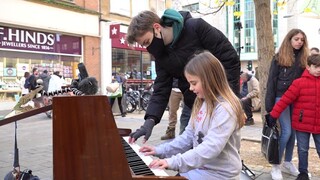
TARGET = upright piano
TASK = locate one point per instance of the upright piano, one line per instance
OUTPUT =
(88, 145)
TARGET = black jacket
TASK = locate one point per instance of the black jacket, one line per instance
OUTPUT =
(33, 82)
(196, 35)
(280, 78)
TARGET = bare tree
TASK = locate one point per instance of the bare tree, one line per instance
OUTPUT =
(265, 41)
(265, 45)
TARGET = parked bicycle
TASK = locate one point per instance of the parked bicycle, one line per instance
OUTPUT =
(135, 99)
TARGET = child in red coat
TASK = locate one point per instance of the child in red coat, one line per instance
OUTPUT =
(304, 93)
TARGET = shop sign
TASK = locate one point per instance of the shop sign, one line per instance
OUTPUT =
(29, 40)
(122, 43)
(21, 68)
(10, 72)
(118, 39)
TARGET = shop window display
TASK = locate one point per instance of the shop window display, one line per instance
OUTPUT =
(14, 64)
(134, 65)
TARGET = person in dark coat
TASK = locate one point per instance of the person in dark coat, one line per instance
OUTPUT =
(33, 79)
(45, 78)
(173, 39)
(286, 66)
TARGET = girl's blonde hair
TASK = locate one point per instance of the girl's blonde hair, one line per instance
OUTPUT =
(285, 55)
(214, 84)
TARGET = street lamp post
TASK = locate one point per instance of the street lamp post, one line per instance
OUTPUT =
(239, 27)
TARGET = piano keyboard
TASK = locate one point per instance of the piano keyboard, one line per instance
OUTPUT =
(138, 162)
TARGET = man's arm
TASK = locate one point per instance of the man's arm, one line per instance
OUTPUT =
(157, 104)
(160, 96)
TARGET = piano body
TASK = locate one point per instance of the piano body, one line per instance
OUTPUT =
(87, 143)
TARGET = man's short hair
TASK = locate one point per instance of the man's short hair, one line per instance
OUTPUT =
(140, 24)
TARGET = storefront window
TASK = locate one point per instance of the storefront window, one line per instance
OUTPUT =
(134, 64)
(14, 64)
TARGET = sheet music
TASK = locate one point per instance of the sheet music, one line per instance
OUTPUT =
(146, 159)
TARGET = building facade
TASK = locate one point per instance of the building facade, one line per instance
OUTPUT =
(117, 55)
(49, 35)
(237, 22)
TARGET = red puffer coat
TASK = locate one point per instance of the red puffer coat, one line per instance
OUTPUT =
(304, 93)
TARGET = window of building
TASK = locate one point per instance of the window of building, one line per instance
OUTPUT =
(191, 7)
(275, 25)
(21, 62)
(249, 27)
(237, 28)
(134, 64)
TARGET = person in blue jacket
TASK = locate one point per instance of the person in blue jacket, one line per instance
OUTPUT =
(172, 40)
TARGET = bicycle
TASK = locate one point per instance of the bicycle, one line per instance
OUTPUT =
(137, 99)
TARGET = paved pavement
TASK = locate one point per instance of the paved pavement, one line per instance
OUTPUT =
(35, 142)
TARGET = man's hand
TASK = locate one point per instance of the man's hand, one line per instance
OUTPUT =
(271, 121)
(145, 129)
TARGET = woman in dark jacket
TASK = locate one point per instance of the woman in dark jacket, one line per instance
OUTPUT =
(172, 40)
(287, 65)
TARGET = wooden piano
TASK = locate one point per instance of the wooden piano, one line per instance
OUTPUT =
(87, 143)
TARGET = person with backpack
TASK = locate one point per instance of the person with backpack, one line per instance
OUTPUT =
(31, 81)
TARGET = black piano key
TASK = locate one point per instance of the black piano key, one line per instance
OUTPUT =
(135, 158)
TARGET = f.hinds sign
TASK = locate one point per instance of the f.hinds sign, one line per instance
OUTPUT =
(21, 39)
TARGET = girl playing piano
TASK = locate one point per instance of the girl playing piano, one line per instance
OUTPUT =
(209, 146)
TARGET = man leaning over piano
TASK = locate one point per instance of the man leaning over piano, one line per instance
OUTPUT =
(172, 40)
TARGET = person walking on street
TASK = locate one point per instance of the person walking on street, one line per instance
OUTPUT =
(172, 40)
(250, 96)
(33, 79)
(55, 84)
(45, 78)
(286, 66)
(24, 90)
(174, 103)
(116, 77)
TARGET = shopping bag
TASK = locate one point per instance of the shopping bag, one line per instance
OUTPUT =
(116, 93)
(270, 143)
(113, 87)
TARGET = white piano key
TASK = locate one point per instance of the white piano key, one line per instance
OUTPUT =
(146, 159)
